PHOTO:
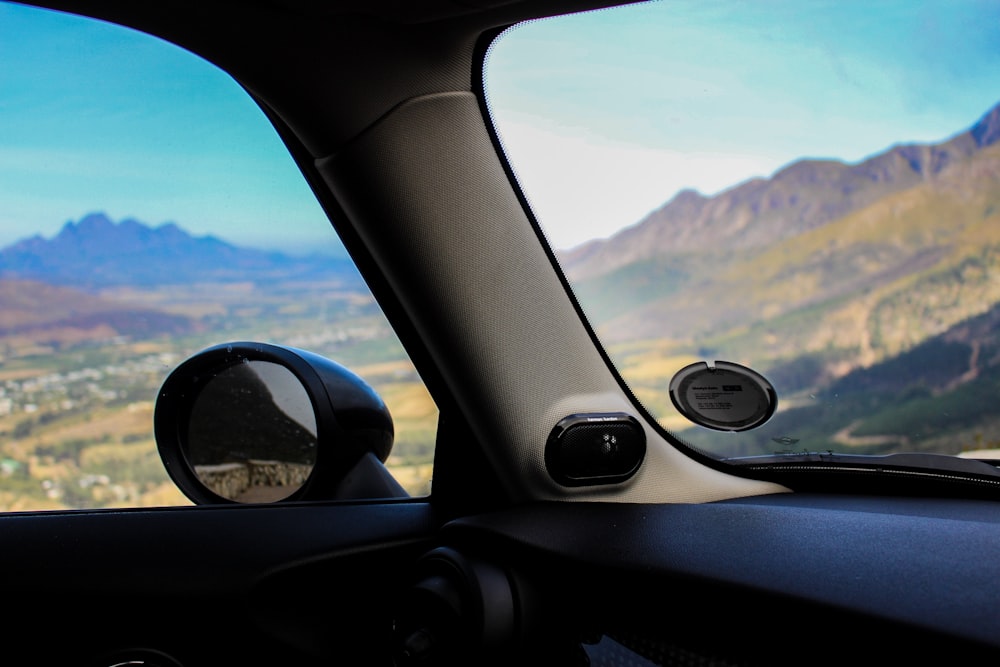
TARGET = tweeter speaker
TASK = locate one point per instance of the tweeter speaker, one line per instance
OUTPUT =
(596, 448)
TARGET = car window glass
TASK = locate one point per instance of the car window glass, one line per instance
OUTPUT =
(809, 191)
(148, 210)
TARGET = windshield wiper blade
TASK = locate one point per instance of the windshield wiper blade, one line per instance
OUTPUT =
(933, 464)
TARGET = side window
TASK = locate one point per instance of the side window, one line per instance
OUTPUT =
(148, 210)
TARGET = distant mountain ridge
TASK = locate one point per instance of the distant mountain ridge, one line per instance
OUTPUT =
(52, 314)
(97, 252)
(867, 293)
(915, 256)
(800, 197)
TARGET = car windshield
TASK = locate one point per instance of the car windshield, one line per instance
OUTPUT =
(775, 207)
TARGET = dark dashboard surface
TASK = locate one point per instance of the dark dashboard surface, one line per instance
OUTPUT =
(742, 581)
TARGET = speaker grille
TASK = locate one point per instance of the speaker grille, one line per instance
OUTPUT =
(590, 449)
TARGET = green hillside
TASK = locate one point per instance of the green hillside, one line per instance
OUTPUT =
(940, 396)
(904, 278)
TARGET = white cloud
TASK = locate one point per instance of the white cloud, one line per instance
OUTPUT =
(583, 187)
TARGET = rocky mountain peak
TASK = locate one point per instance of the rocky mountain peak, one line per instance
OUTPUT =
(986, 132)
(800, 197)
(97, 252)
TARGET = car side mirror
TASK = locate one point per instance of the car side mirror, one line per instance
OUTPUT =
(252, 422)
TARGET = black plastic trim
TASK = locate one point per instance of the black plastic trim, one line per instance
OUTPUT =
(901, 578)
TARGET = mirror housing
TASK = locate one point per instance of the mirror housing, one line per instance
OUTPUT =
(255, 422)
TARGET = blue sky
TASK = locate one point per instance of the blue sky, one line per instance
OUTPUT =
(605, 115)
(96, 117)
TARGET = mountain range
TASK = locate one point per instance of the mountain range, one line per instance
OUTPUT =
(759, 212)
(862, 291)
(97, 252)
(818, 234)
(54, 292)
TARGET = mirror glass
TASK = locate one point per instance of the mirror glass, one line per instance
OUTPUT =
(252, 434)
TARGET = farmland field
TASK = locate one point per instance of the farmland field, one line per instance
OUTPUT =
(76, 411)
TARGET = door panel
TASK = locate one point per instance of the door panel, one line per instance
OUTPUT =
(209, 585)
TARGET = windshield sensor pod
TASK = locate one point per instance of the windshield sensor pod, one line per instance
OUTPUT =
(723, 397)
(597, 448)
